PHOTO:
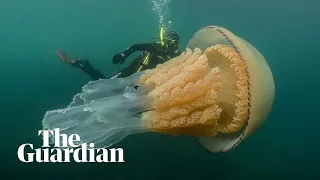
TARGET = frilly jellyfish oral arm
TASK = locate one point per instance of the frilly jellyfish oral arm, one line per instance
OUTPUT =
(102, 88)
(105, 112)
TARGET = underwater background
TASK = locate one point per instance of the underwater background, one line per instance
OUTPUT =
(34, 80)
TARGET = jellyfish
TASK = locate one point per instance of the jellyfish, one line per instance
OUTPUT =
(220, 90)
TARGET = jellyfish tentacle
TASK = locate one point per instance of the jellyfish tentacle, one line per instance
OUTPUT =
(103, 118)
(102, 88)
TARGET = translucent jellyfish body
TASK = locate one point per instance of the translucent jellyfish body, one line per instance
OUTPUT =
(220, 90)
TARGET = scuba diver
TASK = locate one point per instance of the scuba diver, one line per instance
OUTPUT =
(154, 53)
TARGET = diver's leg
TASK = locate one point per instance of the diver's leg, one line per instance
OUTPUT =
(86, 67)
(82, 64)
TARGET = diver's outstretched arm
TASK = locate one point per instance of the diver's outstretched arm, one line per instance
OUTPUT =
(149, 47)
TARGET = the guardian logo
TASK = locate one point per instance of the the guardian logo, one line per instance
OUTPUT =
(68, 150)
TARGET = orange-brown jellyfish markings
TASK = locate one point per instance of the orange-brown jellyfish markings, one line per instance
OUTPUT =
(219, 90)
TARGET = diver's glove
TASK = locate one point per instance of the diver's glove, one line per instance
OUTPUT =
(118, 58)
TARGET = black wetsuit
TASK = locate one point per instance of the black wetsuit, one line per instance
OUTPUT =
(86, 67)
(153, 54)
